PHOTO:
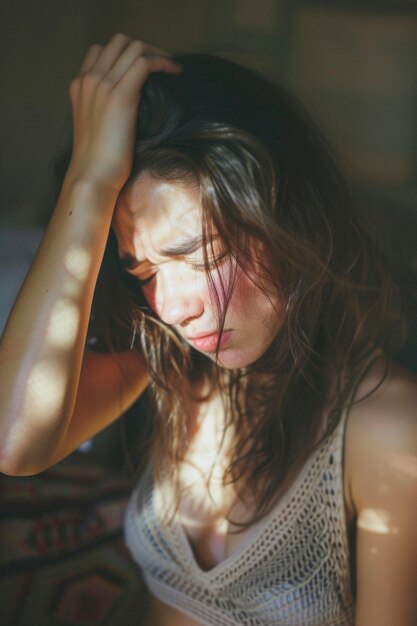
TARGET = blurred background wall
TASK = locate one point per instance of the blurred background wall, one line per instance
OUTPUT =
(353, 64)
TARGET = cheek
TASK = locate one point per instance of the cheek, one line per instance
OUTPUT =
(245, 296)
(232, 288)
(187, 287)
(250, 301)
(215, 291)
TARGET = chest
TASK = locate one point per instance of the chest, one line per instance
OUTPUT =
(211, 512)
(206, 502)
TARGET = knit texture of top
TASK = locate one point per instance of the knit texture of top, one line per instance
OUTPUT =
(293, 569)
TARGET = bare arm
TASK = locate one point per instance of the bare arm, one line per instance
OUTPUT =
(383, 455)
(44, 405)
(109, 384)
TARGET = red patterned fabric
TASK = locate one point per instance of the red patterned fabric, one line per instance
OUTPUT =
(62, 554)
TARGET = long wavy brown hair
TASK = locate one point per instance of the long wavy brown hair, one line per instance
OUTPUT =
(265, 174)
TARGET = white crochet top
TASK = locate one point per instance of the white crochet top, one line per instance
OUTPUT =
(293, 570)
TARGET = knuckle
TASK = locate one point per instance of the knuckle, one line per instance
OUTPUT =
(141, 62)
(114, 98)
(103, 84)
(138, 46)
(117, 96)
(91, 79)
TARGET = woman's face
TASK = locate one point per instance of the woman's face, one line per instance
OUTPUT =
(158, 228)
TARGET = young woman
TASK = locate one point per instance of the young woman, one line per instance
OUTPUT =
(279, 481)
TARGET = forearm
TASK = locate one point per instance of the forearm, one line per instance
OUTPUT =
(42, 347)
(43, 342)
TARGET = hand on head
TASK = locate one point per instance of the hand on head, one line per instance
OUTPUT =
(105, 97)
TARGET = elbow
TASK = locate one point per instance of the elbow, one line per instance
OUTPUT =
(14, 468)
(27, 447)
(20, 465)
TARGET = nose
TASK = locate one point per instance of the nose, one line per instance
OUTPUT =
(180, 310)
(178, 303)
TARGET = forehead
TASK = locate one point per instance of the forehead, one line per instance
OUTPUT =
(153, 212)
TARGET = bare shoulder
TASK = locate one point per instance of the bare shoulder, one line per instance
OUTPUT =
(381, 489)
(381, 433)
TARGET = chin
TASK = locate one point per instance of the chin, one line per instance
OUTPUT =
(236, 359)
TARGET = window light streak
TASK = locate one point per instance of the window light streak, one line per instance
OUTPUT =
(376, 521)
(63, 324)
(201, 479)
(77, 261)
(45, 389)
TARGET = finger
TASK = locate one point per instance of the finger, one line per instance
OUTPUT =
(151, 50)
(111, 53)
(130, 54)
(135, 76)
(75, 87)
(90, 58)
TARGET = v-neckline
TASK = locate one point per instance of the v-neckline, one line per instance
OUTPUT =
(256, 530)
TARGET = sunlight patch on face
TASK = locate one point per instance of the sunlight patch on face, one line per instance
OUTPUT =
(45, 389)
(63, 324)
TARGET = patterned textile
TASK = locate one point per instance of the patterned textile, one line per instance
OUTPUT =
(293, 570)
(62, 554)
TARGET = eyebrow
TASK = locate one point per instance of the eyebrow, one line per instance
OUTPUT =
(179, 248)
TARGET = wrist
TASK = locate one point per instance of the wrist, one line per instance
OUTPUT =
(86, 191)
(89, 184)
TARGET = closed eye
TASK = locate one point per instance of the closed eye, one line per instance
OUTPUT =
(199, 267)
(211, 263)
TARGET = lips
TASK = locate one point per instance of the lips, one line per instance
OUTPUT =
(207, 342)
(202, 334)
